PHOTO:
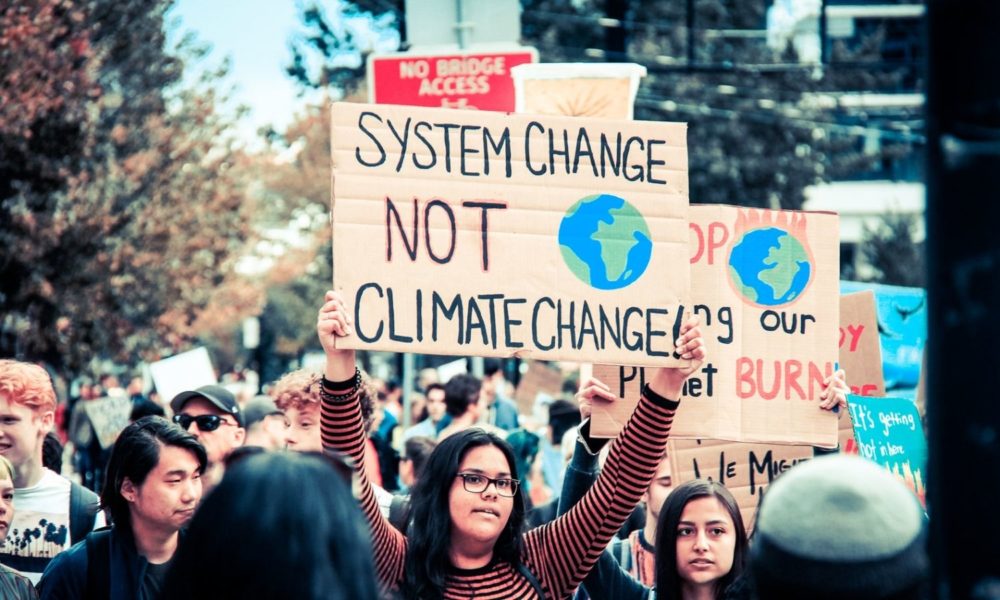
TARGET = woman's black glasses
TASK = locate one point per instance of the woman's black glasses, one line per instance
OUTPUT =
(477, 484)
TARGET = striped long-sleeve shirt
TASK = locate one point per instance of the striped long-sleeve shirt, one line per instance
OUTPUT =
(559, 554)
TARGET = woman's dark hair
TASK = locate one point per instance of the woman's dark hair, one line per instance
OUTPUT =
(668, 581)
(52, 452)
(417, 450)
(286, 526)
(427, 561)
(137, 452)
(146, 408)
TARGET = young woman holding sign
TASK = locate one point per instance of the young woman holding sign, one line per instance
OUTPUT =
(701, 545)
(466, 536)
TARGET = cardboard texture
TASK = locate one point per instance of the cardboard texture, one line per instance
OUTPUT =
(538, 378)
(860, 357)
(578, 89)
(471, 233)
(589, 97)
(889, 432)
(764, 284)
(108, 416)
(745, 469)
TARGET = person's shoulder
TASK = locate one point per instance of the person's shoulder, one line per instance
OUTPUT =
(51, 479)
(51, 486)
(15, 585)
(66, 571)
(425, 427)
(505, 401)
(9, 573)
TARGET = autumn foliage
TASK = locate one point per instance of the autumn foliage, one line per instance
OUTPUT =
(122, 201)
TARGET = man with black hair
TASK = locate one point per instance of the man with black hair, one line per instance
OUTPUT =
(151, 490)
(464, 404)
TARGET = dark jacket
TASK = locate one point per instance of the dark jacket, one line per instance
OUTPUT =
(66, 577)
(14, 586)
(607, 580)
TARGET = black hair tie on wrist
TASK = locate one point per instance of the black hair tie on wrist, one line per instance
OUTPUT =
(346, 388)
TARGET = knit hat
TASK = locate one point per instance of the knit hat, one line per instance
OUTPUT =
(838, 526)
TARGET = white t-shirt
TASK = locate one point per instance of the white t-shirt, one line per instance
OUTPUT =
(40, 528)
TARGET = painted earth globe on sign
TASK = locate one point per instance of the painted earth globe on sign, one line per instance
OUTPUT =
(769, 266)
(605, 242)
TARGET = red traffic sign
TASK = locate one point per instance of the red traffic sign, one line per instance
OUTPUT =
(472, 80)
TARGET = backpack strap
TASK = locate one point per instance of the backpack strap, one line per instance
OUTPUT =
(399, 512)
(527, 574)
(98, 564)
(83, 507)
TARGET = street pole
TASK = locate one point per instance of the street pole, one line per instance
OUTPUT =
(460, 25)
(963, 255)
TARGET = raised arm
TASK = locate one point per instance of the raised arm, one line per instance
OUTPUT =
(342, 429)
(564, 551)
(607, 579)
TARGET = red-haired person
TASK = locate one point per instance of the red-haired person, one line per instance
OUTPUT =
(51, 513)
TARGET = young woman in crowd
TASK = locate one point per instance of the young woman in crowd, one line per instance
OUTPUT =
(466, 535)
(701, 542)
(701, 545)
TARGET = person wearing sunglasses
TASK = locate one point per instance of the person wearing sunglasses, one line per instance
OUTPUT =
(466, 533)
(212, 415)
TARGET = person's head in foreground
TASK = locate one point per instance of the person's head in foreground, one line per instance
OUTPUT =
(839, 527)
(701, 543)
(287, 526)
(468, 496)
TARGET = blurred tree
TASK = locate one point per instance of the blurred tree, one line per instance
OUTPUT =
(757, 135)
(297, 191)
(892, 251)
(754, 139)
(121, 198)
(330, 54)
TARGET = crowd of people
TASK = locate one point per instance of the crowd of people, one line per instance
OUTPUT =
(314, 491)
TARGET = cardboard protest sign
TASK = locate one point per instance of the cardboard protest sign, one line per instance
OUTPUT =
(745, 469)
(181, 372)
(889, 432)
(902, 319)
(538, 378)
(764, 285)
(860, 356)
(577, 89)
(108, 416)
(472, 233)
